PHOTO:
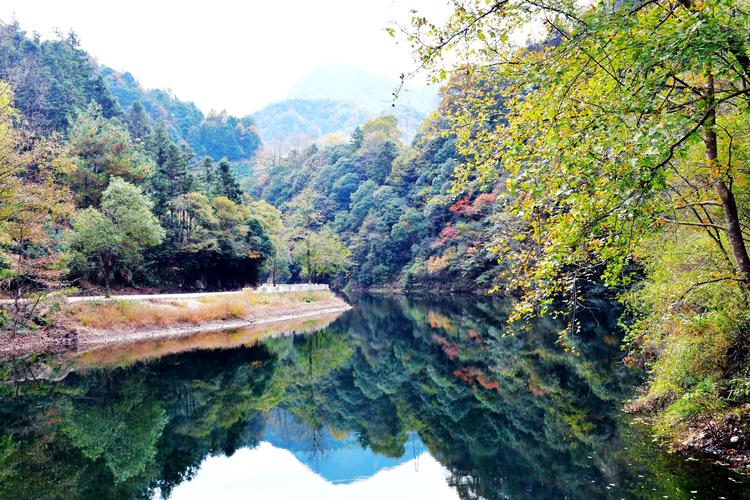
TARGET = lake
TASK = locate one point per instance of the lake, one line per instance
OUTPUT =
(398, 398)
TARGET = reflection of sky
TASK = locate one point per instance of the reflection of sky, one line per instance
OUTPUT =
(335, 459)
(273, 473)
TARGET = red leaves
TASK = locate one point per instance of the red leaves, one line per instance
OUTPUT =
(473, 375)
(462, 207)
(481, 203)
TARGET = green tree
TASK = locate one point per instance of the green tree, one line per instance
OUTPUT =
(379, 147)
(195, 217)
(322, 255)
(138, 121)
(624, 123)
(226, 183)
(109, 242)
(207, 176)
(171, 177)
(270, 218)
(303, 220)
(101, 148)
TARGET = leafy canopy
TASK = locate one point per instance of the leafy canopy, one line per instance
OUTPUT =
(602, 130)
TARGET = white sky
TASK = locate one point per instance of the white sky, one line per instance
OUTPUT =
(228, 54)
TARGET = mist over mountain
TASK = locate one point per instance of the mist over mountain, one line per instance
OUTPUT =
(351, 83)
(295, 123)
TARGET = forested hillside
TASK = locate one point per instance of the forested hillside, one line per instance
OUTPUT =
(297, 123)
(217, 135)
(52, 79)
(393, 205)
(93, 194)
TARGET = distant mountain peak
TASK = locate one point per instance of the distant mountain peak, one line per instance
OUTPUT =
(346, 82)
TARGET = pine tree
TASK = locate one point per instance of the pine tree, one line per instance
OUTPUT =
(139, 123)
(357, 137)
(226, 184)
(101, 148)
(171, 178)
(207, 176)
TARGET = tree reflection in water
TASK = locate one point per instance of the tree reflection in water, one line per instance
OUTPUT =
(507, 415)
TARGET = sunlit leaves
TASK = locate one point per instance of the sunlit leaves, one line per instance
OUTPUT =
(596, 131)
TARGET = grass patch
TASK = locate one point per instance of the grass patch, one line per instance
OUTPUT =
(696, 351)
(692, 331)
(136, 314)
(702, 401)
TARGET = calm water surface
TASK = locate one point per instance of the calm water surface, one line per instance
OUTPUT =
(403, 398)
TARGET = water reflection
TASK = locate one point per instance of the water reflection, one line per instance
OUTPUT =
(498, 415)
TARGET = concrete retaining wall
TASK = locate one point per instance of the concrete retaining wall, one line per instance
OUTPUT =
(303, 287)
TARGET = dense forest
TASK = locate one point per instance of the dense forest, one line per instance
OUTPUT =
(217, 135)
(127, 199)
(606, 158)
(392, 204)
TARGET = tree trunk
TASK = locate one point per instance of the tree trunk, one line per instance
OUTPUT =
(728, 202)
(309, 263)
(107, 274)
(734, 230)
(273, 271)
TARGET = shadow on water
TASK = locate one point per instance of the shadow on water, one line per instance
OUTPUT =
(506, 415)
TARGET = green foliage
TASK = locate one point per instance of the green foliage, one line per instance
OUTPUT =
(391, 206)
(171, 177)
(739, 389)
(691, 336)
(316, 250)
(52, 79)
(123, 435)
(226, 184)
(322, 255)
(619, 145)
(703, 401)
(276, 267)
(100, 149)
(60, 87)
(109, 242)
(217, 135)
(592, 151)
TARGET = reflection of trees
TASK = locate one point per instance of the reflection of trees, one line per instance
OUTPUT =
(120, 433)
(305, 372)
(507, 415)
(118, 423)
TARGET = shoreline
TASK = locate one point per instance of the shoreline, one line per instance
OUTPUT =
(71, 335)
(721, 439)
(211, 327)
